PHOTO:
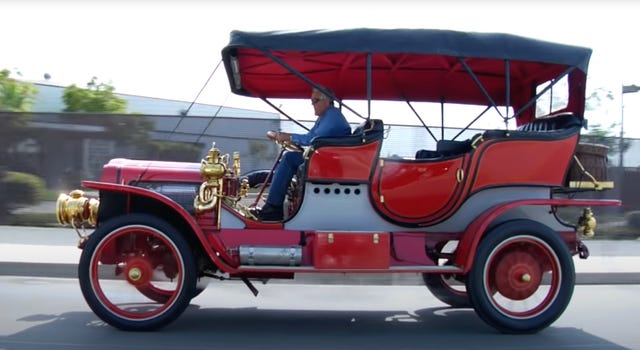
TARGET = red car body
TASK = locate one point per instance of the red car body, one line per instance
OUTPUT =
(480, 212)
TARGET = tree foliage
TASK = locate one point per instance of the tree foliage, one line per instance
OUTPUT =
(603, 136)
(598, 133)
(99, 98)
(95, 98)
(15, 95)
(597, 98)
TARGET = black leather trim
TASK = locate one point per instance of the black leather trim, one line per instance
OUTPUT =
(370, 131)
(553, 123)
(549, 128)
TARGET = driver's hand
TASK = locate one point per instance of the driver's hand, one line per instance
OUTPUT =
(279, 136)
(283, 137)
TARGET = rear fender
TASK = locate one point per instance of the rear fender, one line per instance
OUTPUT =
(211, 248)
(478, 228)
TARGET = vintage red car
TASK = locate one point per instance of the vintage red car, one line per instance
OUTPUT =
(476, 218)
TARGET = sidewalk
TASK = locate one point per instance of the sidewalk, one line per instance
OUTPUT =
(52, 252)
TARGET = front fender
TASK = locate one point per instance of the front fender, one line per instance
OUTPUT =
(209, 247)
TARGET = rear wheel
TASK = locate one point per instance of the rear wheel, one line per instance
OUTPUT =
(448, 288)
(522, 277)
(202, 284)
(137, 272)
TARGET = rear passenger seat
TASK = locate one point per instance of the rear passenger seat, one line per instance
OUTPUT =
(538, 128)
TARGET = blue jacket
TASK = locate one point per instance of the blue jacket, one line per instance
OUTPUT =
(330, 123)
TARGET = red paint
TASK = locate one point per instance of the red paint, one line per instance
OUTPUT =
(353, 163)
(342, 250)
(124, 171)
(96, 267)
(210, 249)
(414, 191)
(531, 162)
(467, 247)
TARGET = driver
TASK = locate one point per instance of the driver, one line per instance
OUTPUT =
(331, 122)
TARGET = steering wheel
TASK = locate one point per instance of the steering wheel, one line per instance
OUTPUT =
(288, 145)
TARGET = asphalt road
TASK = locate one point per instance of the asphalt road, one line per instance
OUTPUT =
(311, 312)
(45, 313)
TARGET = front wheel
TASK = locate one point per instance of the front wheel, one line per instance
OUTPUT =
(137, 272)
(522, 277)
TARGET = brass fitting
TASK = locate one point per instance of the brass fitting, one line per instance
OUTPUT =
(75, 209)
(212, 170)
(211, 167)
(587, 223)
(236, 163)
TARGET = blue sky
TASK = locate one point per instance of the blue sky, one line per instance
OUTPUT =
(167, 49)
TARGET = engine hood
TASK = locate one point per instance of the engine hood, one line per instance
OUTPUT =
(126, 171)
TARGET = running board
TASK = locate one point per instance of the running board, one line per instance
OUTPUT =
(392, 269)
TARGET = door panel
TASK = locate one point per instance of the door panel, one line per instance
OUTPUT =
(415, 191)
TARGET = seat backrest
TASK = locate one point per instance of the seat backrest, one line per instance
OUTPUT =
(369, 126)
(554, 123)
(369, 131)
(450, 148)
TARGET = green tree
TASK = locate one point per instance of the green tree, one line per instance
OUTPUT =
(95, 98)
(99, 98)
(15, 95)
(16, 98)
(604, 136)
(597, 98)
(599, 134)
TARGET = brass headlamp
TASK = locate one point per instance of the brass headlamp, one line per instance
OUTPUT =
(75, 209)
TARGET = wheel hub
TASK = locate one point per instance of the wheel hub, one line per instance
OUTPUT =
(135, 274)
(518, 275)
(138, 271)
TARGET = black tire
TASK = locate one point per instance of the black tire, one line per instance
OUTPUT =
(201, 285)
(518, 264)
(163, 296)
(129, 253)
(442, 286)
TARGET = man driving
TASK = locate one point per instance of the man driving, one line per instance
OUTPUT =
(331, 122)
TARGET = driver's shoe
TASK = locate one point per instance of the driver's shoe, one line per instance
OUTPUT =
(269, 212)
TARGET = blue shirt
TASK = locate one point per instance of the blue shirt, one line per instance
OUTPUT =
(331, 123)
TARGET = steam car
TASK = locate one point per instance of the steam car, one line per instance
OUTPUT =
(476, 217)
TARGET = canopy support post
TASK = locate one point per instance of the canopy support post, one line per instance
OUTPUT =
(442, 118)
(369, 82)
(507, 77)
(479, 85)
(307, 80)
(421, 121)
